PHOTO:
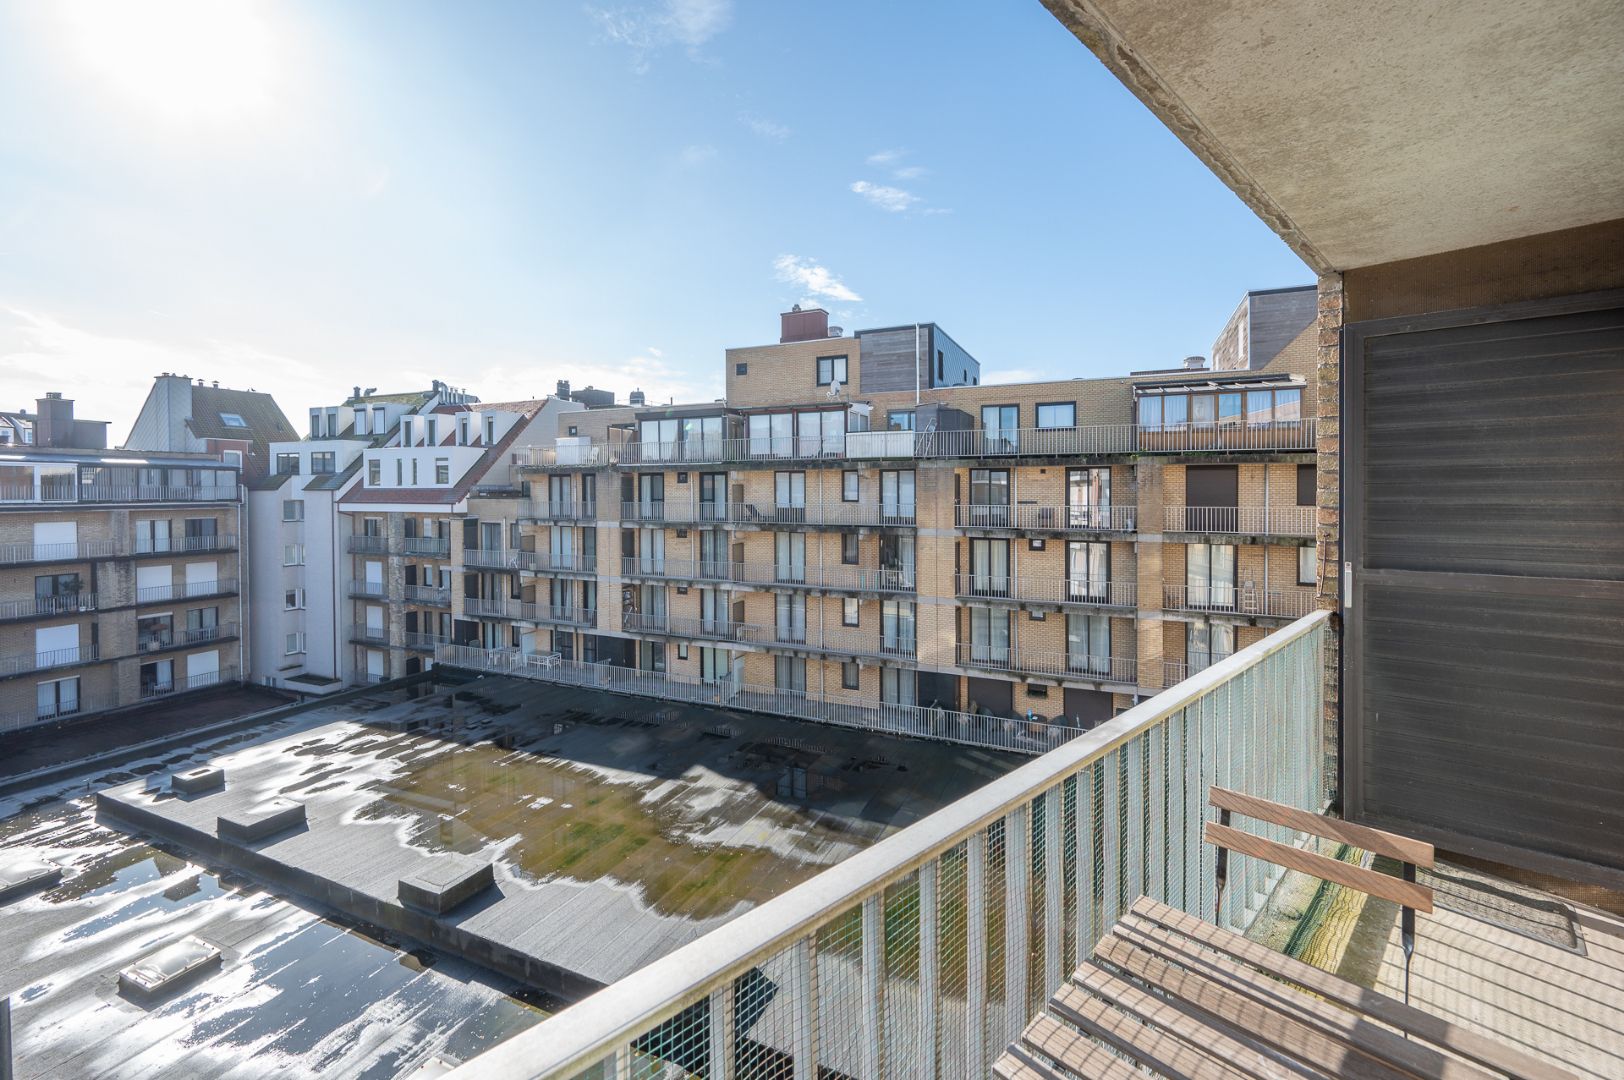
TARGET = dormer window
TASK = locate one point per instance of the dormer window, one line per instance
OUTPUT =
(406, 431)
(315, 423)
(490, 431)
(360, 421)
(462, 431)
(231, 419)
(431, 433)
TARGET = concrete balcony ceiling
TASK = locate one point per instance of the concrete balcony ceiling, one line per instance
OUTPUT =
(1374, 132)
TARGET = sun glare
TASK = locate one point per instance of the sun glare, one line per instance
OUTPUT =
(178, 61)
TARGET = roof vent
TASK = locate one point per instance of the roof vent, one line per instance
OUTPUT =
(1195, 363)
(836, 331)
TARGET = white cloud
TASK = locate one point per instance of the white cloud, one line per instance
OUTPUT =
(892, 199)
(767, 129)
(885, 158)
(697, 155)
(909, 172)
(816, 279)
(651, 27)
(648, 371)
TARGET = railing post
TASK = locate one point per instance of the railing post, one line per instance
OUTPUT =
(1111, 829)
(1054, 887)
(1017, 917)
(930, 1006)
(722, 1038)
(975, 952)
(5, 1039)
(873, 985)
(806, 1017)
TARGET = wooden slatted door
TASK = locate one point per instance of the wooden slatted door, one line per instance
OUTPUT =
(1484, 584)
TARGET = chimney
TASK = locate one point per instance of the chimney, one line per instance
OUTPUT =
(54, 424)
(798, 325)
(564, 389)
(1195, 363)
(635, 397)
(356, 392)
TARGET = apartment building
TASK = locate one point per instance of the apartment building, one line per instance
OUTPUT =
(860, 519)
(194, 416)
(430, 535)
(119, 572)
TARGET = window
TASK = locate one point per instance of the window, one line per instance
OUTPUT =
(848, 549)
(442, 470)
(682, 650)
(831, 369)
(374, 472)
(1088, 644)
(1175, 411)
(1062, 415)
(59, 698)
(287, 464)
(849, 611)
(400, 472)
(1210, 575)
(323, 461)
(574, 431)
(414, 472)
(293, 554)
(900, 420)
(741, 369)
(1305, 485)
(379, 419)
(231, 419)
(1307, 562)
(462, 431)
(898, 687)
(293, 644)
(293, 599)
(1203, 409)
(848, 487)
(1037, 690)
(490, 431)
(431, 432)
(232, 457)
(849, 675)
(359, 427)
(292, 509)
(315, 423)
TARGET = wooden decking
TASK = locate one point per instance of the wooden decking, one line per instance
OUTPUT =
(1566, 1005)
(1169, 994)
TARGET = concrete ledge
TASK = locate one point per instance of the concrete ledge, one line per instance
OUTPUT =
(446, 883)
(198, 780)
(20, 876)
(253, 823)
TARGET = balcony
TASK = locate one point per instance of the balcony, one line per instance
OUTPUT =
(45, 607)
(424, 642)
(1176, 671)
(926, 953)
(369, 635)
(426, 547)
(430, 595)
(664, 512)
(1103, 440)
(694, 628)
(543, 510)
(183, 545)
(645, 566)
(57, 711)
(832, 577)
(558, 614)
(200, 681)
(576, 456)
(1028, 517)
(841, 513)
(22, 663)
(190, 590)
(1239, 601)
(494, 558)
(362, 544)
(843, 709)
(1017, 659)
(1242, 520)
(1052, 591)
(184, 637)
(369, 590)
(845, 642)
(490, 607)
(559, 562)
(59, 490)
(83, 550)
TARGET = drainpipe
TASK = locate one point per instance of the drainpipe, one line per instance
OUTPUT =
(1267, 510)
(245, 558)
(916, 365)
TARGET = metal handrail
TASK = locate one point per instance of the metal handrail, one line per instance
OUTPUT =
(1055, 663)
(186, 591)
(1035, 518)
(1275, 705)
(1242, 520)
(1242, 600)
(25, 552)
(49, 658)
(1082, 592)
(424, 594)
(46, 606)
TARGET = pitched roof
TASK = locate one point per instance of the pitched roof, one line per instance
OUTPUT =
(262, 419)
(360, 493)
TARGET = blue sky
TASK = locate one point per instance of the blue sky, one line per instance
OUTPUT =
(302, 197)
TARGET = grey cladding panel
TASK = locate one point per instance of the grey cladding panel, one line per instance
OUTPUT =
(1498, 449)
(1277, 320)
(888, 359)
(1496, 714)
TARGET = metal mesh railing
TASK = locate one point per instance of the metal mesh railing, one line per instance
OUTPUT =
(923, 955)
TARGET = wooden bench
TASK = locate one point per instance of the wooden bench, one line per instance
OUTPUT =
(1168, 994)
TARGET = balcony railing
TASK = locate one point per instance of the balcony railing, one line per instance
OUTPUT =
(718, 629)
(901, 645)
(1242, 600)
(415, 640)
(840, 512)
(372, 635)
(1018, 659)
(431, 595)
(562, 614)
(373, 590)
(183, 637)
(11, 554)
(494, 558)
(844, 709)
(676, 569)
(362, 544)
(490, 607)
(1082, 592)
(1033, 518)
(1242, 520)
(564, 510)
(835, 576)
(169, 545)
(1083, 441)
(433, 547)
(47, 606)
(188, 682)
(52, 712)
(189, 590)
(558, 562)
(1176, 671)
(925, 954)
(50, 658)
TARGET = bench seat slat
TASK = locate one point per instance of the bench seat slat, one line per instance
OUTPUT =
(1375, 841)
(1399, 891)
